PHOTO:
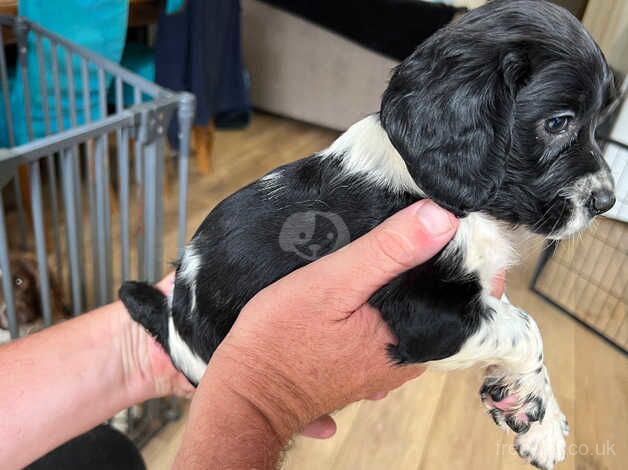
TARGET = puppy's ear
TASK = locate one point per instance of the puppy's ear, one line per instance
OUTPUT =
(448, 110)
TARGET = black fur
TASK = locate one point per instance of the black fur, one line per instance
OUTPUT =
(147, 306)
(466, 113)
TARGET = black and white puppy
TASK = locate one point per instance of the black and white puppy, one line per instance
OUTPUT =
(493, 117)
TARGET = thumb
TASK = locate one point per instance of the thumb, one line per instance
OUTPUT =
(405, 240)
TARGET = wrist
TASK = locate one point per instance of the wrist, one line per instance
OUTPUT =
(263, 388)
(226, 426)
(131, 346)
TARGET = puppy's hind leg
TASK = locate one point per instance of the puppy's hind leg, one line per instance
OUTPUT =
(516, 389)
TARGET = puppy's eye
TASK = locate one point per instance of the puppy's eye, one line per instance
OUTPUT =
(19, 281)
(557, 124)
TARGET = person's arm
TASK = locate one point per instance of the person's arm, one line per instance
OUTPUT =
(305, 346)
(66, 379)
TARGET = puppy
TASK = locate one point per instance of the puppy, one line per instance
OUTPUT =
(26, 297)
(493, 117)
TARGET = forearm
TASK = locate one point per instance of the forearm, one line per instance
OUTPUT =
(65, 380)
(226, 431)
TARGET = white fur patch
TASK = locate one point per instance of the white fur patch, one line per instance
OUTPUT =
(487, 246)
(271, 183)
(578, 195)
(183, 357)
(190, 264)
(365, 149)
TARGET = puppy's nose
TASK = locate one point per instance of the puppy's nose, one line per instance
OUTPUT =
(601, 200)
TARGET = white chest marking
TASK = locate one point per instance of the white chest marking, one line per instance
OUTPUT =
(486, 245)
(183, 357)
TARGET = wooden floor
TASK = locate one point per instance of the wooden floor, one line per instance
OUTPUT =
(437, 421)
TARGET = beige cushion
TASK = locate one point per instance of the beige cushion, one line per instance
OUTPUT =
(303, 71)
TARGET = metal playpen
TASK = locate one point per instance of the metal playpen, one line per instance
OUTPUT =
(82, 177)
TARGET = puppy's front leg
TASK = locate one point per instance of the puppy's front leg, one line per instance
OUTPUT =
(516, 389)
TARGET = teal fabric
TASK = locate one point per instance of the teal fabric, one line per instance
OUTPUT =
(140, 58)
(98, 25)
(173, 6)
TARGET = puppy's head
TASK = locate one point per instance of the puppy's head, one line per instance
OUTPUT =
(26, 291)
(497, 113)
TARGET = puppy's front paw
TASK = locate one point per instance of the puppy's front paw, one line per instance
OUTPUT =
(544, 444)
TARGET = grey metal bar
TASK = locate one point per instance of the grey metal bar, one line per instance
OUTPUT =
(69, 72)
(185, 116)
(56, 85)
(123, 181)
(102, 95)
(122, 136)
(153, 210)
(100, 253)
(40, 242)
(91, 201)
(91, 173)
(87, 107)
(147, 87)
(56, 142)
(7, 278)
(72, 223)
(138, 163)
(79, 220)
(43, 83)
(5, 94)
(76, 173)
(21, 33)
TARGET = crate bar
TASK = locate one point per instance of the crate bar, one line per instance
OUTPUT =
(123, 180)
(43, 83)
(71, 91)
(153, 208)
(5, 274)
(89, 163)
(40, 241)
(102, 98)
(185, 115)
(138, 162)
(21, 28)
(59, 119)
(122, 136)
(98, 230)
(110, 67)
(72, 224)
(57, 142)
(56, 85)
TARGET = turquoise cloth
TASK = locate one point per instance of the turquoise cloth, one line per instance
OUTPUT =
(98, 25)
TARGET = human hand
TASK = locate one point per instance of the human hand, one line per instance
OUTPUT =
(310, 343)
(144, 358)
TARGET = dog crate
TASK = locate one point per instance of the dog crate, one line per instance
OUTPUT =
(82, 169)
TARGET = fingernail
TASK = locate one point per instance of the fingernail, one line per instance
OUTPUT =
(434, 219)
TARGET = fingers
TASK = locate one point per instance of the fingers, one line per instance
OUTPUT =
(321, 428)
(407, 239)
